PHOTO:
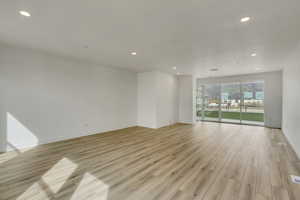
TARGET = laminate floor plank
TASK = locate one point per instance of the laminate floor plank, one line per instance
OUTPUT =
(205, 161)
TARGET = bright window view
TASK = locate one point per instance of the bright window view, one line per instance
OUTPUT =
(231, 102)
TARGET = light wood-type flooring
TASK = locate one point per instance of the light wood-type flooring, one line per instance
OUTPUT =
(204, 161)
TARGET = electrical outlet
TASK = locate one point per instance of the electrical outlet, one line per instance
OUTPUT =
(295, 179)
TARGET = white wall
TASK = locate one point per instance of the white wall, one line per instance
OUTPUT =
(147, 99)
(46, 98)
(273, 93)
(157, 99)
(167, 99)
(273, 99)
(291, 101)
(185, 99)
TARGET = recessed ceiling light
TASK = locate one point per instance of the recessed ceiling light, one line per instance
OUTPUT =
(133, 53)
(174, 67)
(257, 68)
(253, 54)
(214, 69)
(245, 19)
(24, 13)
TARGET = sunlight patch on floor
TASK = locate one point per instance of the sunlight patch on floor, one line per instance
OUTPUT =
(51, 182)
(59, 174)
(91, 187)
(37, 191)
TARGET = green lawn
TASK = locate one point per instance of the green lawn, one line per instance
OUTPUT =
(259, 117)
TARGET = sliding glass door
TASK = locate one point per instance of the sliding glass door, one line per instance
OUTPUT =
(253, 103)
(211, 102)
(231, 102)
(200, 103)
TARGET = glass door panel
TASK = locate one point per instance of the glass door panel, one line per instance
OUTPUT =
(211, 102)
(199, 103)
(230, 103)
(253, 103)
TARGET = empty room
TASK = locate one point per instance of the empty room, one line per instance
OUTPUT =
(149, 100)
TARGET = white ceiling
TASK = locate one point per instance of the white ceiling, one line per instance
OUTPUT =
(194, 35)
